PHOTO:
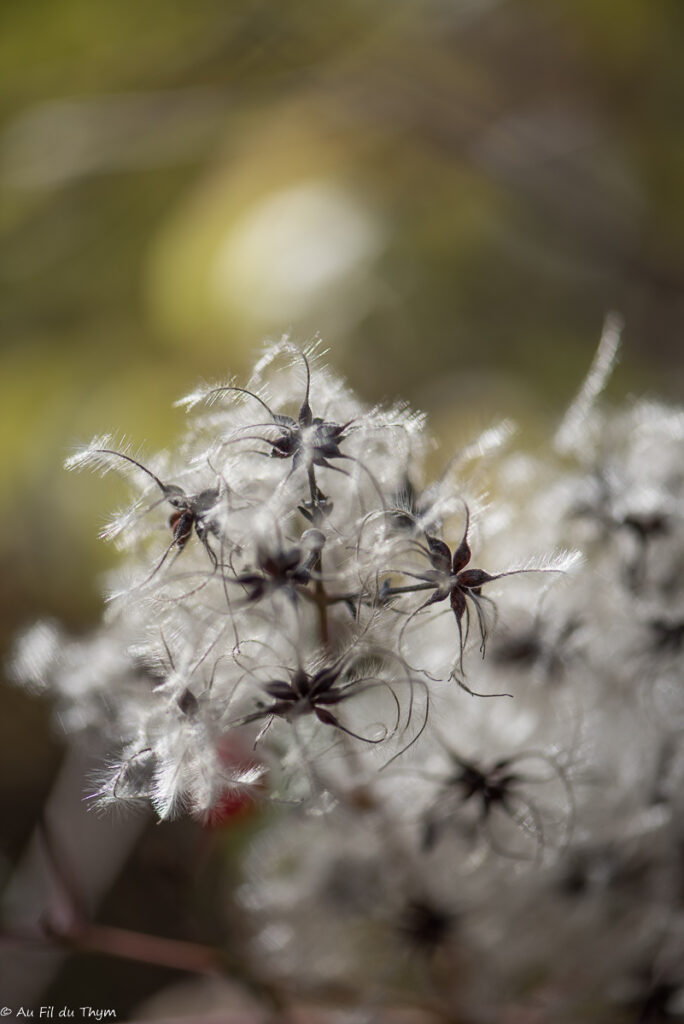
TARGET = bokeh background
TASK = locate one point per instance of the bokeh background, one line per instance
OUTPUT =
(452, 193)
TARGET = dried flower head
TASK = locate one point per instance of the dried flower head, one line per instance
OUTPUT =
(277, 628)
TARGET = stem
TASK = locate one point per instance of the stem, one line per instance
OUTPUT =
(317, 567)
(139, 947)
(410, 589)
(321, 598)
(149, 949)
(313, 489)
(321, 595)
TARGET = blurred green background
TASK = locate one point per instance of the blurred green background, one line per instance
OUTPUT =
(451, 192)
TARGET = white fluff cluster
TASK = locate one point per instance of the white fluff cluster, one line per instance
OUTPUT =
(471, 732)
